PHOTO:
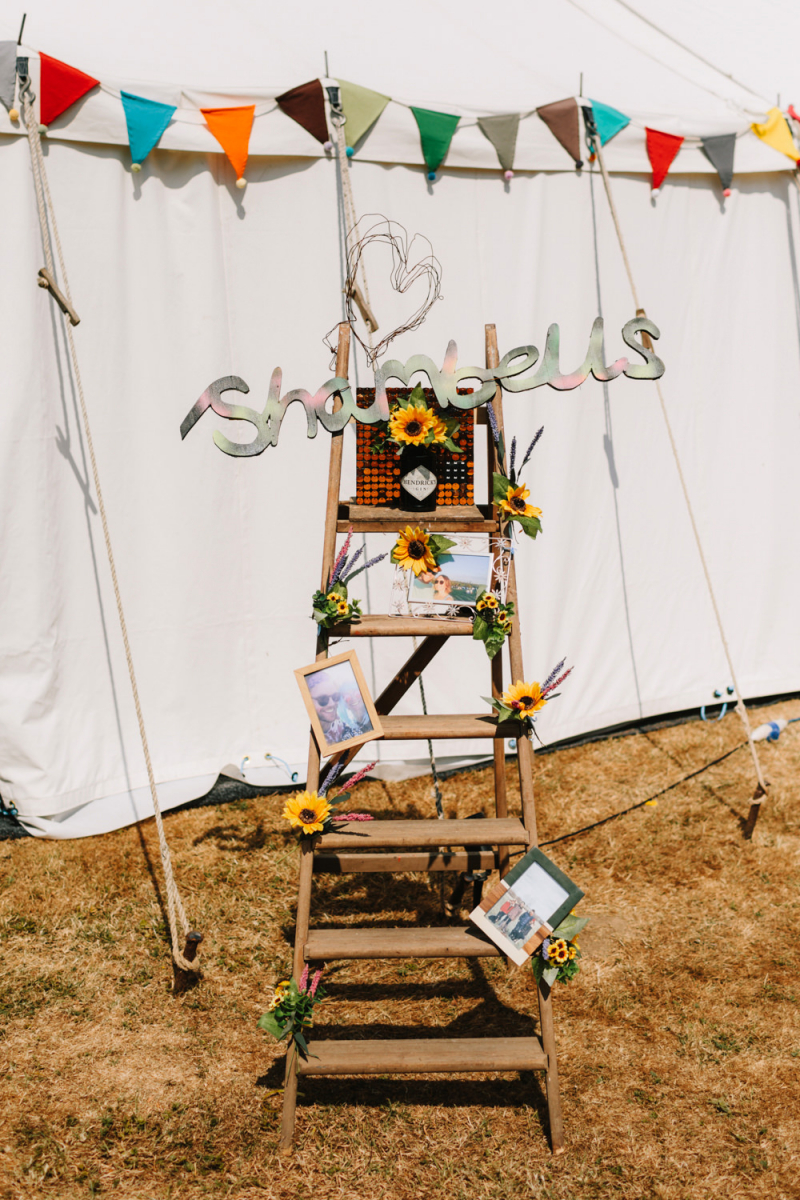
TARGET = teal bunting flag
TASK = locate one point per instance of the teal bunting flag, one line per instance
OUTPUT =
(436, 131)
(609, 121)
(146, 120)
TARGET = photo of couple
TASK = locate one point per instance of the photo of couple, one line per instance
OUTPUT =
(338, 702)
(513, 918)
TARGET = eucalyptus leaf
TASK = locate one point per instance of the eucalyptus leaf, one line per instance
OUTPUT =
(549, 975)
(570, 927)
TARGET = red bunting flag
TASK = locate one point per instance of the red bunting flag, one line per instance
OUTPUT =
(59, 87)
(661, 150)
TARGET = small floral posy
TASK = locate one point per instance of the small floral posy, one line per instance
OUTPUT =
(332, 606)
(492, 622)
(417, 550)
(291, 1009)
(312, 812)
(509, 493)
(523, 701)
(412, 423)
(558, 958)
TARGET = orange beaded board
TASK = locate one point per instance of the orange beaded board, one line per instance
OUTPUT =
(378, 475)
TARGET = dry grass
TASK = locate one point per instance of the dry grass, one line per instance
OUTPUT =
(679, 1042)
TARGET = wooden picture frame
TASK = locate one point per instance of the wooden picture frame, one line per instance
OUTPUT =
(339, 718)
(524, 907)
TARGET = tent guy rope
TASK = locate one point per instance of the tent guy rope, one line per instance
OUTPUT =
(49, 230)
(761, 789)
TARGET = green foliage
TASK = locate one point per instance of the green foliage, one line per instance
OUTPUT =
(326, 612)
(500, 485)
(488, 628)
(382, 439)
(543, 972)
(292, 1015)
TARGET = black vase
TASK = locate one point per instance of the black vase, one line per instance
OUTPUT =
(418, 481)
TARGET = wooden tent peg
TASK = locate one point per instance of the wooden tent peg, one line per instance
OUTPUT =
(182, 978)
(46, 280)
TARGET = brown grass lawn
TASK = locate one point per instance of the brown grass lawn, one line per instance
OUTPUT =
(679, 1042)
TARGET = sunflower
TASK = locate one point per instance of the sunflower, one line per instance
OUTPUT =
(279, 995)
(572, 953)
(524, 698)
(410, 425)
(333, 597)
(413, 551)
(439, 429)
(504, 618)
(307, 812)
(487, 601)
(559, 951)
(342, 608)
(516, 505)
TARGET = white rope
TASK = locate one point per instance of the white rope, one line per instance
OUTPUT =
(740, 707)
(47, 222)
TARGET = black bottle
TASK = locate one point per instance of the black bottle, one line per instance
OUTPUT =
(418, 481)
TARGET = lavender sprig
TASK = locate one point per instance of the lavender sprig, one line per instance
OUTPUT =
(553, 686)
(331, 777)
(530, 448)
(493, 423)
(512, 459)
(350, 563)
(364, 771)
(553, 674)
(365, 567)
(341, 558)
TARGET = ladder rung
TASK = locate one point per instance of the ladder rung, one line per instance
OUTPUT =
(449, 941)
(443, 725)
(455, 518)
(421, 860)
(412, 1056)
(371, 835)
(383, 625)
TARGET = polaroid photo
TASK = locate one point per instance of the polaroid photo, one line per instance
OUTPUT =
(338, 703)
(524, 908)
(457, 580)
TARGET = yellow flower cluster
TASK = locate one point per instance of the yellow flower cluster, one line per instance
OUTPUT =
(487, 600)
(559, 952)
(279, 994)
(516, 503)
(410, 426)
(307, 812)
(525, 698)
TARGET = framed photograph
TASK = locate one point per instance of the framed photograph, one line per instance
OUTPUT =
(457, 580)
(520, 911)
(338, 703)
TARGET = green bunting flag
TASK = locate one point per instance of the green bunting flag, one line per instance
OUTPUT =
(436, 131)
(361, 107)
(502, 133)
(609, 121)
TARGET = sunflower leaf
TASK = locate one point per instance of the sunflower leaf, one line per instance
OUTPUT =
(500, 486)
(338, 800)
(271, 1024)
(480, 629)
(570, 927)
(530, 525)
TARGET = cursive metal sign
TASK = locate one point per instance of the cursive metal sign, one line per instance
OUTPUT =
(511, 374)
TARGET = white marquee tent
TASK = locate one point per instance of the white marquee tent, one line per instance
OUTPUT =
(179, 279)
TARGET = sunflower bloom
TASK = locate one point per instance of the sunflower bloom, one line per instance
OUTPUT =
(524, 698)
(439, 429)
(307, 812)
(504, 619)
(488, 601)
(333, 597)
(410, 425)
(413, 551)
(559, 951)
(572, 953)
(516, 503)
(342, 608)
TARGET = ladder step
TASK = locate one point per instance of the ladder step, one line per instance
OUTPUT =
(422, 1056)
(455, 518)
(345, 864)
(450, 941)
(457, 725)
(371, 835)
(383, 625)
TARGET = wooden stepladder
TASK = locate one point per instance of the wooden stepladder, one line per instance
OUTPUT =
(398, 845)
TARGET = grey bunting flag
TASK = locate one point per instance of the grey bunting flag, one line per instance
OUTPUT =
(502, 133)
(8, 71)
(719, 152)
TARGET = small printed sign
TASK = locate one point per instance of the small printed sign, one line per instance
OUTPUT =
(419, 483)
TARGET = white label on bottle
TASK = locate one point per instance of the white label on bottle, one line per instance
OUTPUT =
(419, 483)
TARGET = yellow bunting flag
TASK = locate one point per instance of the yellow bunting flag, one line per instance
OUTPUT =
(776, 133)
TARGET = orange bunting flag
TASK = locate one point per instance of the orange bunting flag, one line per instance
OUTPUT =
(60, 87)
(661, 150)
(231, 127)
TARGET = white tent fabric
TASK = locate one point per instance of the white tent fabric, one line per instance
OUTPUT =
(180, 279)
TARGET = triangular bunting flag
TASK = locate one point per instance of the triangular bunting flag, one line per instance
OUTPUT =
(661, 150)
(8, 72)
(502, 133)
(719, 152)
(306, 105)
(361, 107)
(776, 133)
(561, 118)
(146, 121)
(609, 121)
(436, 131)
(231, 127)
(60, 86)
